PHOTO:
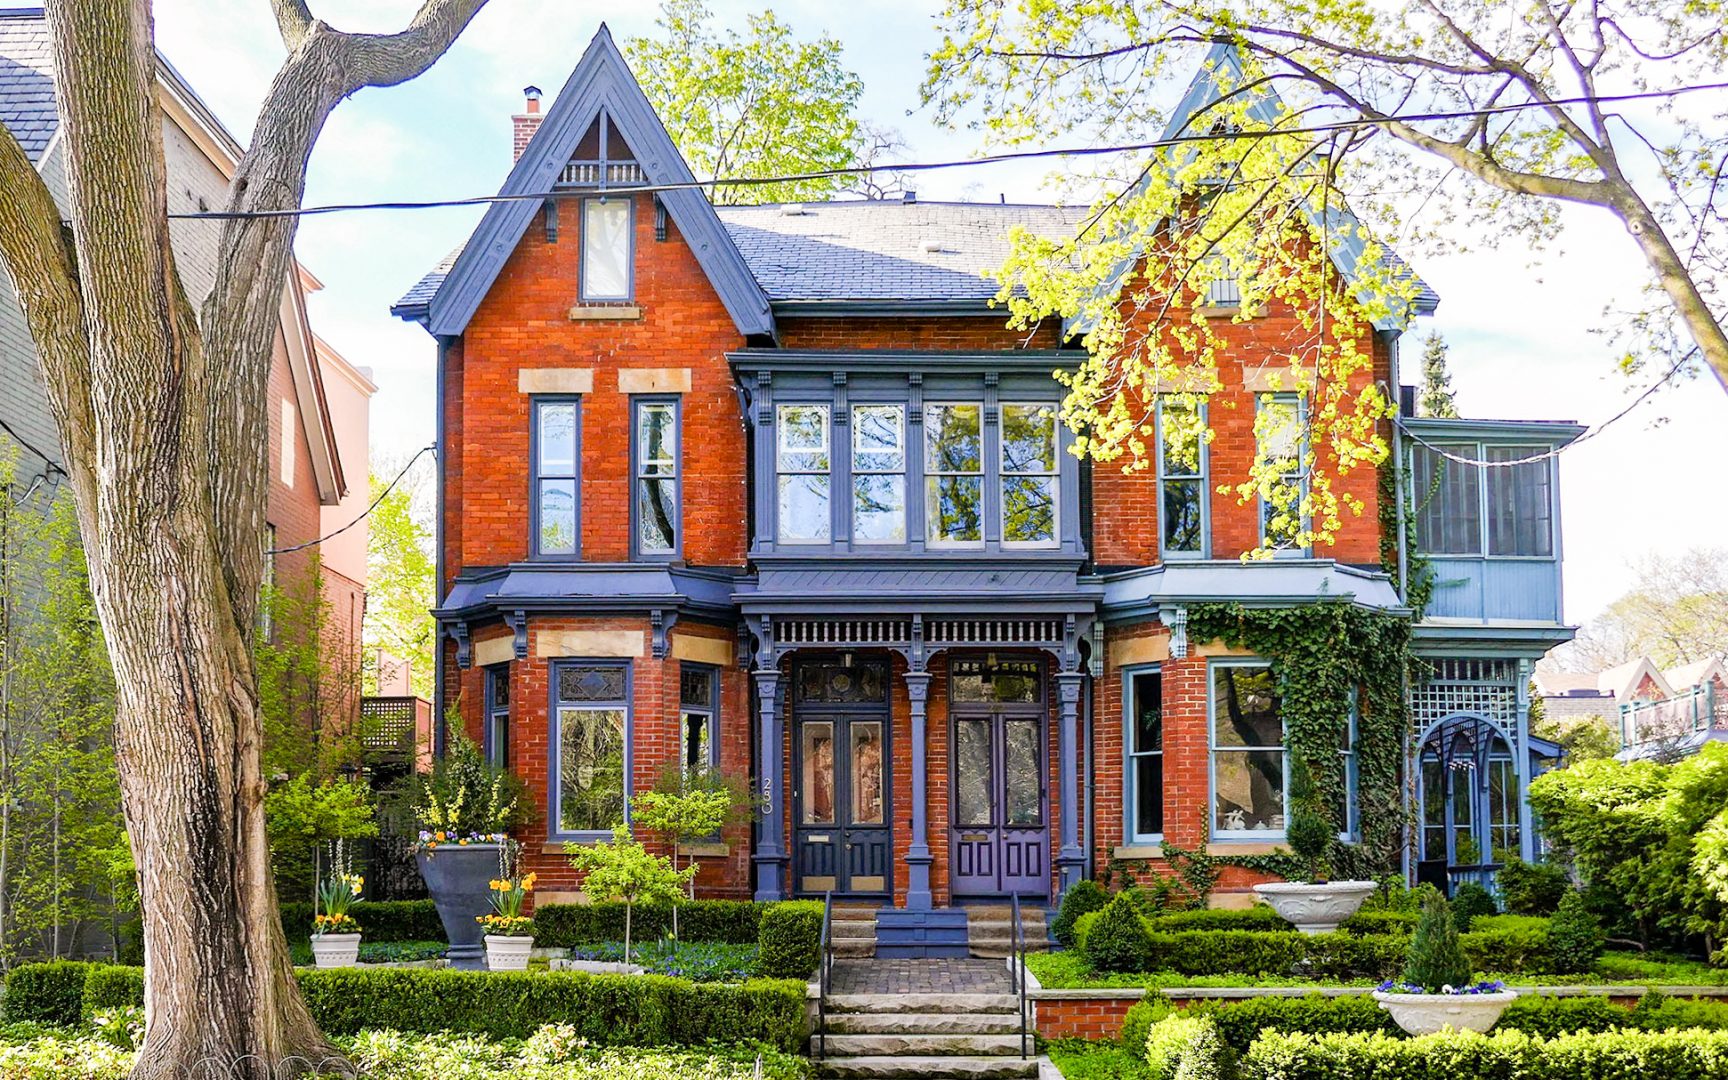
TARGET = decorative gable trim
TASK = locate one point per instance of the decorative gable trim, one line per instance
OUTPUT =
(601, 80)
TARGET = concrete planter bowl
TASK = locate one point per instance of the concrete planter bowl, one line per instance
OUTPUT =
(335, 950)
(508, 953)
(1425, 1014)
(459, 877)
(1316, 908)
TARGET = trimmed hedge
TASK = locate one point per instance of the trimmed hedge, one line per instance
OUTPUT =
(49, 993)
(790, 943)
(1082, 898)
(110, 986)
(724, 922)
(1671, 1055)
(1261, 917)
(609, 1010)
(382, 920)
(1182, 1047)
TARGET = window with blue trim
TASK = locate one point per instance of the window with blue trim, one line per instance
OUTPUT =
(802, 461)
(556, 457)
(1182, 501)
(497, 738)
(879, 474)
(699, 718)
(657, 510)
(590, 739)
(1144, 739)
(1281, 448)
(1028, 480)
(954, 474)
(1502, 510)
(606, 249)
(1248, 758)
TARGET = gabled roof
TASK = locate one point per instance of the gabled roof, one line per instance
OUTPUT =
(601, 80)
(1221, 74)
(1689, 676)
(1624, 680)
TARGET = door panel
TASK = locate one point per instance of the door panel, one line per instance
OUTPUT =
(841, 837)
(1000, 838)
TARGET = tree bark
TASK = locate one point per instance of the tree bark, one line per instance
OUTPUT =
(163, 419)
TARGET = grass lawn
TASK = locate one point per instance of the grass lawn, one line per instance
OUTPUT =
(1069, 971)
(1082, 1060)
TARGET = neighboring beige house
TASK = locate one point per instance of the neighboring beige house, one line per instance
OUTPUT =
(1656, 713)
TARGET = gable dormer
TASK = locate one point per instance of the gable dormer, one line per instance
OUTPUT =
(600, 144)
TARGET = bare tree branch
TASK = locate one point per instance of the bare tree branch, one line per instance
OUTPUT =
(293, 20)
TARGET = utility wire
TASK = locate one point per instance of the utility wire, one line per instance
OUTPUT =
(926, 166)
(364, 514)
(54, 465)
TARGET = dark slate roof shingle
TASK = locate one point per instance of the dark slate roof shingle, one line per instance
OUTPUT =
(27, 80)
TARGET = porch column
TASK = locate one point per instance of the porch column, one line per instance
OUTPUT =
(1070, 859)
(770, 857)
(1524, 768)
(918, 857)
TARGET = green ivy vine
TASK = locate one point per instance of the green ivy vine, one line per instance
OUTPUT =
(1418, 583)
(1327, 656)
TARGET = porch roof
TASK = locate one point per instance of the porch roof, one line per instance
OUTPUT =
(587, 587)
(925, 585)
(1272, 583)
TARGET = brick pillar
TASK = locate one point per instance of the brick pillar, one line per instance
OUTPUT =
(770, 857)
(918, 858)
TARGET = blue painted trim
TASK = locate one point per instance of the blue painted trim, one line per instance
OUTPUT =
(711, 710)
(637, 401)
(1129, 804)
(534, 476)
(555, 768)
(601, 80)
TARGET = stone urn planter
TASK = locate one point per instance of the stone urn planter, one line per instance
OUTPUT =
(458, 877)
(335, 950)
(1424, 1014)
(508, 953)
(1316, 908)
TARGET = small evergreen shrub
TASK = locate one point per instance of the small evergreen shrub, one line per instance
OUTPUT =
(1082, 897)
(112, 986)
(1575, 937)
(47, 993)
(1182, 1047)
(1118, 940)
(1532, 888)
(1140, 1017)
(1471, 901)
(1436, 956)
(790, 945)
(1310, 831)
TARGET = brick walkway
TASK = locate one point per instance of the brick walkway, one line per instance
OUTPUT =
(956, 976)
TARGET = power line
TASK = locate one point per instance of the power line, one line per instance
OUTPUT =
(959, 163)
(53, 463)
(364, 514)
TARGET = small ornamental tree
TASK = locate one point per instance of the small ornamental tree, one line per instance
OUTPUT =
(1436, 959)
(1575, 935)
(1118, 939)
(1310, 829)
(625, 870)
(686, 807)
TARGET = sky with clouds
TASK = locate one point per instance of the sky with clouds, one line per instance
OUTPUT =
(1519, 322)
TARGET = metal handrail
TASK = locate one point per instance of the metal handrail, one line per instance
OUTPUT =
(822, 976)
(1018, 942)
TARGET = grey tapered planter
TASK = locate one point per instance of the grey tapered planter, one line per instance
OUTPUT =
(459, 877)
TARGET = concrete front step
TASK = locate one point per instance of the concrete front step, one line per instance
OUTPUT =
(920, 1045)
(853, 948)
(854, 928)
(923, 1023)
(1000, 948)
(927, 1068)
(923, 1003)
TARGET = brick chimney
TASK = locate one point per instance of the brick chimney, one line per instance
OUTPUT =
(527, 122)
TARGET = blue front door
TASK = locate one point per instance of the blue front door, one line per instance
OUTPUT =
(1000, 837)
(840, 763)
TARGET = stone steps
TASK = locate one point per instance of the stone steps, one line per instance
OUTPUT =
(920, 1044)
(924, 1003)
(994, 1023)
(927, 1068)
(990, 931)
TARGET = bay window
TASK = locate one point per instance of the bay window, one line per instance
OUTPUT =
(1502, 508)
(1145, 743)
(1248, 758)
(698, 712)
(879, 474)
(1028, 476)
(590, 742)
(497, 735)
(801, 439)
(954, 474)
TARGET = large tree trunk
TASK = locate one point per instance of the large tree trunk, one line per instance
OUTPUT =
(163, 421)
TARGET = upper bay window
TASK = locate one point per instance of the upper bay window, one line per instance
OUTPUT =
(555, 453)
(1281, 453)
(657, 503)
(1464, 508)
(954, 474)
(801, 440)
(1182, 517)
(879, 474)
(606, 250)
(1029, 475)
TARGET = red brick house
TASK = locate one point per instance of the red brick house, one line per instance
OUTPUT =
(773, 487)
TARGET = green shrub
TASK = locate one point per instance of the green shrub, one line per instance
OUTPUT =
(1261, 917)
(607, 1010)
(50, 993)
(1575, 937)
(1471, 901)
(1141, 1016)
(1082, 897)
(1239, 1024)
(112, 986)
(1672, 1055)
(385, 920)
(1436, 956)
(1118, 940)
(1282, 953)
(723, 922)
(1532, 888)
(1182, 1047)
(790, 942)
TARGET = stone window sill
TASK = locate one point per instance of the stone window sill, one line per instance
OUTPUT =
(605, 313)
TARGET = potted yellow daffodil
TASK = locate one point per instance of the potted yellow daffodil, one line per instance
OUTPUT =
(335, 934)
(509, 933)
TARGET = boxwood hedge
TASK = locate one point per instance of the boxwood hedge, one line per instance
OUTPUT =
(790, 946)
(1671, 1055)
(726, 922)
(385, 920)
(50, 993)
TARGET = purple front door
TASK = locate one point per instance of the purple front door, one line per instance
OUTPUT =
(1001, 841)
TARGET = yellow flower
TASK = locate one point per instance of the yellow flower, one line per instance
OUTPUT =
(528, 882)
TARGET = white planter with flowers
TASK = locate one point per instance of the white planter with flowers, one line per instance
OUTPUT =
(508, 952)
(335, 950)
(509, 933)
(1474, 1008)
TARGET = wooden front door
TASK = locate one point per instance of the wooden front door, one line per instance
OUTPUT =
(840, 762)
(1000, 834)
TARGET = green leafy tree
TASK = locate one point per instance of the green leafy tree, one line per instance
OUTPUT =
(1575, 935)
(756, 104)
(623, 869)
(1435, 398)
(686, 807)
(1587, 738)
(303, 815)
(399, 584)
(1519, 132)
(1675, 612)
(1436, 958)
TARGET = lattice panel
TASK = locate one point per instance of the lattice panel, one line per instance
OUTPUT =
(1484, 687)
